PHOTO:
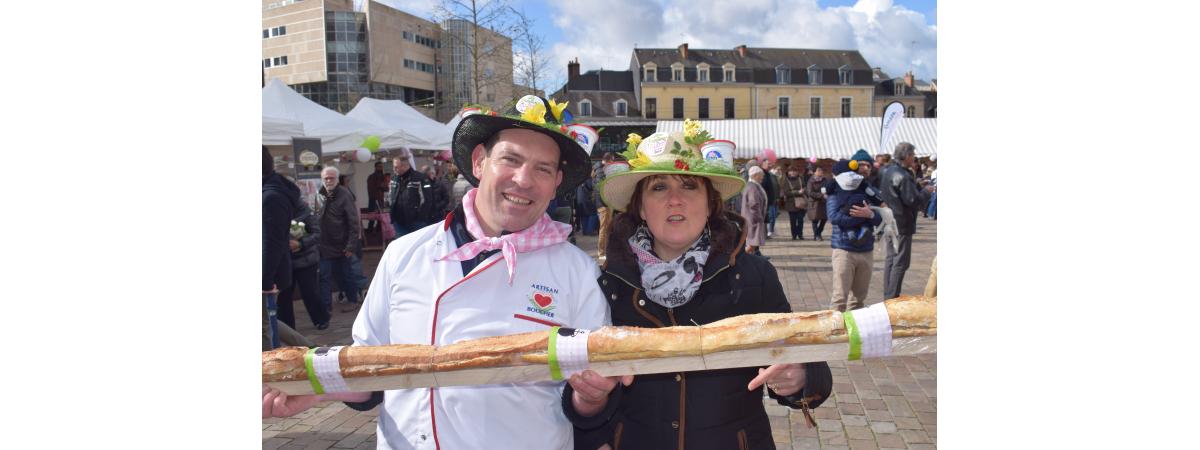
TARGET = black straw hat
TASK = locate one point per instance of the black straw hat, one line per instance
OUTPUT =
(529, 113)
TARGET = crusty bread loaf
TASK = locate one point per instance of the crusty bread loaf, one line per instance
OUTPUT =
(909, 316)
(624, 343)
(912, 315)
(510, 350)
(287, 363)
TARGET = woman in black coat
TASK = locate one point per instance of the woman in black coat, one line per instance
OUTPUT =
(710, 409)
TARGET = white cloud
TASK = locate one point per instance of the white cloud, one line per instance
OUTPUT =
(602, 33)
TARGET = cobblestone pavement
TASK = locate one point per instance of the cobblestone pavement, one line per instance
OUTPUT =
(887, 403)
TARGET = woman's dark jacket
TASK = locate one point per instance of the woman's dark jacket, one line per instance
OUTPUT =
(695, 410)
(308, 254)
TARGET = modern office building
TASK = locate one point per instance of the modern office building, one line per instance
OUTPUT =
(335, 52)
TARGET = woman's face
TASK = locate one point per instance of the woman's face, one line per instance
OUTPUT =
(675, 209)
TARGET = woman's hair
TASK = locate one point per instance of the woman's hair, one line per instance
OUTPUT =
(626, 222)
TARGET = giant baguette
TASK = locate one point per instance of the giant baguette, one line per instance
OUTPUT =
(909, 317)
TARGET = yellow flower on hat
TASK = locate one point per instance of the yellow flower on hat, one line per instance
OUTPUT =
(853, 164)
(641, 160)
(557, 109)
(535, 113)
(691, 127)
(634, 139)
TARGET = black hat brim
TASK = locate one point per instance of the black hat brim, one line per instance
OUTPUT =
(475, 129)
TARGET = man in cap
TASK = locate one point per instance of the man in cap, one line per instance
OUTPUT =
(497, 265)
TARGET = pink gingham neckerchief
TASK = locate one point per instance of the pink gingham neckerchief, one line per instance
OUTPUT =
(544, 233)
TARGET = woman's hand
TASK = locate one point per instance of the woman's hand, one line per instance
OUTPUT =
(784, 379)
(591, 391)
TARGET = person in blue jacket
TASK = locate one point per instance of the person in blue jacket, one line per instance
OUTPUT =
(854, 222)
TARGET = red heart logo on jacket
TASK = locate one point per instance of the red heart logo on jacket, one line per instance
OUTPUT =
(542, 300)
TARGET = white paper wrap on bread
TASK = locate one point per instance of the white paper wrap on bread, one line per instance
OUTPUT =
(741, 341)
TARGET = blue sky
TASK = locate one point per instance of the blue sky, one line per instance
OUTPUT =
(896, 35)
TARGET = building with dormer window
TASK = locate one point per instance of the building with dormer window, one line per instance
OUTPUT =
(746, 83)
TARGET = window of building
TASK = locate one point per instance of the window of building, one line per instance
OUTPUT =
(407, 35)
(845, 76)
(702, 73)
(418, 65)
(279, 61)
(651, 108)
(677, 108)
(677, 72)
(783, 74)
(729, 103)
(785, 107)
(266, 63)
(846, 105)
(266, 33)
(729, 73)
(703, 104)
(911, 112)
(814, 74)
(585, 108)
(621, 108)
(279, 30)
(814, 107)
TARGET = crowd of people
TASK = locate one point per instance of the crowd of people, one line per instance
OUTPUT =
(671, 231)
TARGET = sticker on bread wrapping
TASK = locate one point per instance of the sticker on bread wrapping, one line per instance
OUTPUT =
(567, 352)
(870, 332)
(324, 370)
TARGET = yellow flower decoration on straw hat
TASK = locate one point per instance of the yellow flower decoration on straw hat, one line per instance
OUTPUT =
(535, 113)
(557, 109)
(634, 139)
(641, 160)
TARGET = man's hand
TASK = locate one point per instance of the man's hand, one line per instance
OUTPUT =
(277, 404)
(591, 391)
(784, 379)
(348, 253)
(294, 245)
(863, 211)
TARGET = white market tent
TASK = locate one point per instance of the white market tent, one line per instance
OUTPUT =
(338, 133)
(823, 138)
(278, 131)
(426, 133)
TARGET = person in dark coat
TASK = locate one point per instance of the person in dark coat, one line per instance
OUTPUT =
(305, 259)
(280, 201)
(675, 229)
(795, 202)
(899, 190)
(339, 237)
(816, 203)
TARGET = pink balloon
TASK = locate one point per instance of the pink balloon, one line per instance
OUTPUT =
(770, 154)
(813, 160)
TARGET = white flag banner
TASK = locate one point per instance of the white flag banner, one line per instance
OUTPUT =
(891, 119)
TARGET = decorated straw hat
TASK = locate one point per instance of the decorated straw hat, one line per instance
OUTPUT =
(529, 113)
(690, 152)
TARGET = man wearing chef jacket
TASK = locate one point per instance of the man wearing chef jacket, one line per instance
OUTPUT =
(496, 265)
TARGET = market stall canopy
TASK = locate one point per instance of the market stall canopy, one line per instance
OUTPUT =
(338, 133)
(823, 138)
(427, 133)
(278, 131)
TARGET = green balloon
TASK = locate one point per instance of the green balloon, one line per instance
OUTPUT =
(371, 143)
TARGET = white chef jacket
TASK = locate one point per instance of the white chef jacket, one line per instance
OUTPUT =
(416, 300)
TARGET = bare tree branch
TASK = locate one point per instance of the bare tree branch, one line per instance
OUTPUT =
(530, 68)
(483, 49)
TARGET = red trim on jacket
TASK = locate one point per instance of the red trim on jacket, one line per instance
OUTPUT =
(433, 336)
